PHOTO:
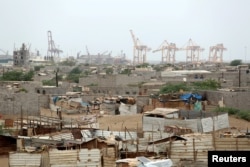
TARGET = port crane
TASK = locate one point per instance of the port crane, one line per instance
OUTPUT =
(52, 50)
(216, 53)
(139, 50)
(192, 52)
(167, 51)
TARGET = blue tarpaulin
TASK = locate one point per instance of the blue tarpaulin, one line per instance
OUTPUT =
(187, 96)
(55, 99)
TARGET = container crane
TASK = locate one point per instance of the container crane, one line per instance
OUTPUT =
(87, 50)
(216, 53)
(139, 50)
(192, 52)
(167, 51)
(52, 50)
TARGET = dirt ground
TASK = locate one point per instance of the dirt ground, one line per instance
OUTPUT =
(4, 161)
(239, 123)
(132, 122)
(111, 122)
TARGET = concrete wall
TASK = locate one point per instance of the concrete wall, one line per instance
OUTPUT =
(50, 90)
(232, 79)
(28, 103)
(113, 80)
(238, 100)
(119, 90)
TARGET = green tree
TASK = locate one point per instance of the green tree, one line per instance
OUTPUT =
(142, 65)
(74, 75)
(18, 76)
(126, 71)
(52, 82)
(28, 76)
(109, 71)
(68, 63)
(75, 70)
(236, 62)
(209, 84)
(200, 85)
(172, 88)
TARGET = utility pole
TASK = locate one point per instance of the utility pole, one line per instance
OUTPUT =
(56, 71)
(239, 75)
(245, 54)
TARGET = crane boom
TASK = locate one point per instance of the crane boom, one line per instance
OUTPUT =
(133, 37)
(139, 50)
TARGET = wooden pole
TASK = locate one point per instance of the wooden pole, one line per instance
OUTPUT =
(170, 147)
(21, 120)
(194, 152)
(137, 140)
(213, 135)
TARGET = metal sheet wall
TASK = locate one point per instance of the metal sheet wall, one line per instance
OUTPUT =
(66, 158)
(89, 158)
(24, 159)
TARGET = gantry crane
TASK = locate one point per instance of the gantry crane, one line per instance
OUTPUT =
(139, 50)
(167, 51)
(52, 50)
(192, 52)
(216, 53)
(87, 50)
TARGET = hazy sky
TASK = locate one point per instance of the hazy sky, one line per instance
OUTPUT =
(104, 25)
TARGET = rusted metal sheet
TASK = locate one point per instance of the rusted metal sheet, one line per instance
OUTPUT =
(177, 130)
(76, 133)
(9, 123)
